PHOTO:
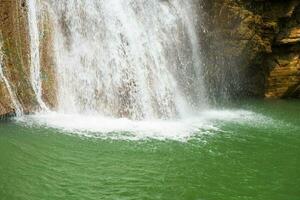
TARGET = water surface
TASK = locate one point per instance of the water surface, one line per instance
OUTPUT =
(256, 157)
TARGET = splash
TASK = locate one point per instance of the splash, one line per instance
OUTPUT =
(94, 126)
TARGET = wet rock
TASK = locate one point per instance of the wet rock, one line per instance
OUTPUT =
(14, 32)
(48, 66)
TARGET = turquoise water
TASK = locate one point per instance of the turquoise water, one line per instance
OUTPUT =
(258, 158)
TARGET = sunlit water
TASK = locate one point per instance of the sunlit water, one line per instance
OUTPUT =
(246, 151)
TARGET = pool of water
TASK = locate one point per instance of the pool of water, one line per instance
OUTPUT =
(248, 151)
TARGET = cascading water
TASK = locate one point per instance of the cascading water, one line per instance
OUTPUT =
(136, 59)
(16, 104)
(35, 65)
(127, 66)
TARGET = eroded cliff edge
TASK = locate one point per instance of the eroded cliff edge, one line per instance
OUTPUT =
(252, 47)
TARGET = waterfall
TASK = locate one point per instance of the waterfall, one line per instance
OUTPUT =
(15, 102)
(137, 59)
(35, 66)
(191, 20)
(126, 69)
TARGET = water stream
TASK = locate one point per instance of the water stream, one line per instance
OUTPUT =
(35, 65)
(16, 104)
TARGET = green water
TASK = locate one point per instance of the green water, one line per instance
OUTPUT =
(239, 162)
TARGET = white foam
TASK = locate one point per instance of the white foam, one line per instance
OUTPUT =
(207, 122)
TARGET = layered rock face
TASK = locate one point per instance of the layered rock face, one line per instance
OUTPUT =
(252, 47)
(15, 64)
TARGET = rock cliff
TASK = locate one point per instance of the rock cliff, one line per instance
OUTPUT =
(14, 39)
(252, 47)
